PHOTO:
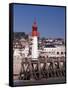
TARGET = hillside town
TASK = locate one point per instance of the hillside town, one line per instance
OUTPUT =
(46, 47)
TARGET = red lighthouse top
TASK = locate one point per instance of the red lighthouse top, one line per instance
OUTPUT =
(35, 24)
(34, 29)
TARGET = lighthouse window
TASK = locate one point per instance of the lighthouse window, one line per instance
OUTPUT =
(57, 52)
(61, 52)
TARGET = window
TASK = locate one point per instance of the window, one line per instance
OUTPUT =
(61, 52)
(57, 52)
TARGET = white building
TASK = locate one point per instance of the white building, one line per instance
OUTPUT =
(17, 59)
(53, 51)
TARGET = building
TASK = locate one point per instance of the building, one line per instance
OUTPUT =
(53, 51)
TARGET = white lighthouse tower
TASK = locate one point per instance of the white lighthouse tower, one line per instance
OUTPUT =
(34, 41)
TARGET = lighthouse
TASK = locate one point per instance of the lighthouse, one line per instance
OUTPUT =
(34, 41)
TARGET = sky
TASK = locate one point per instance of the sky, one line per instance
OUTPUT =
(50, 20)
